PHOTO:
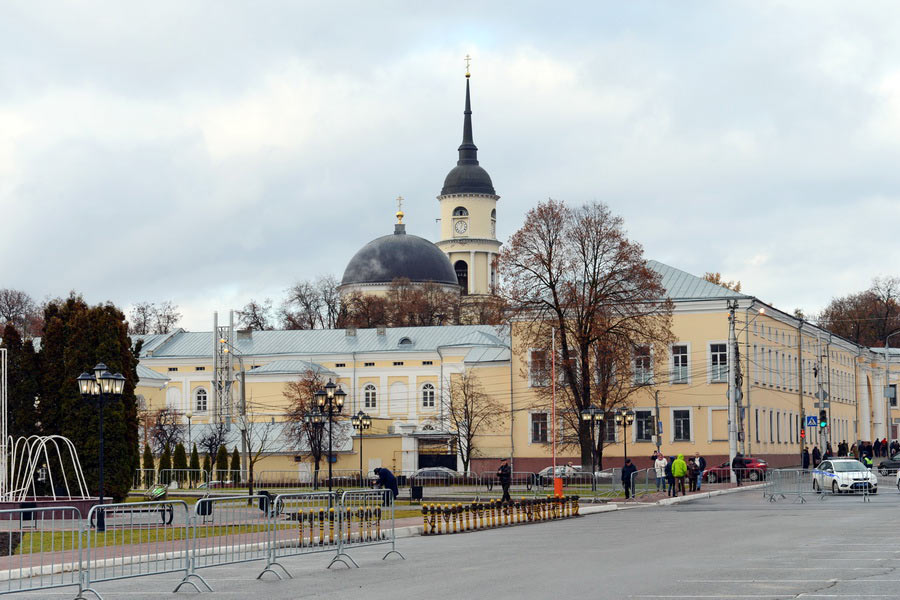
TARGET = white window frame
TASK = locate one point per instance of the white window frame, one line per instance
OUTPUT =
(634, 438)
(427, 387)
(196, 399)
(687, 367)
(532, 382)
(709, 422)
(646, 375)
(531, 439)
(709, 361)
(367, 388)
(691, 426)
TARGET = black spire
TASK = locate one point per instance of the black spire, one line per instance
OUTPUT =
(468, 151)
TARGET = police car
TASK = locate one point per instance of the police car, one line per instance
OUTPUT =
(844, 475)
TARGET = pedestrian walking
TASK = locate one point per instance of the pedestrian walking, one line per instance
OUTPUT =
(679, 471)
(804, 459)
(828, 451)
(816, 456)
(627, 478)
(504, 476)
(737, 465)
(854, 451)
(692, 475)
(659, 465)
(670, 477)
(701, 467)
(387, 481)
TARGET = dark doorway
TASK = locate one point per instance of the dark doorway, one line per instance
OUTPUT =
(437, 460)
(462, 275)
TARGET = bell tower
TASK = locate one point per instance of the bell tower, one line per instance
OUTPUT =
(469, 216)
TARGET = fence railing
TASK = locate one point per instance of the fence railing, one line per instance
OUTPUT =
(44, 548)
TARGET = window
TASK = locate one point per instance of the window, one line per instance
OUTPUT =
(405, 342)
(460, 211)
(370, 396)
(538, 428)
(771, 429)
(200, 400)
(199, 368)
(428, 396)
(892, 394)
(755, 364)
(398, 363)
(369, 364)
(171, 369)
(141, 402)
(681, 425)
(718, 354)
(427, 363)
(778, 426)
(538, 374)
(494, 223)
(679, 364)
(756, 423)
(339, 365)
(609, 430)
(643, 426)
(643, 366)
(462, 276)
(777, 374)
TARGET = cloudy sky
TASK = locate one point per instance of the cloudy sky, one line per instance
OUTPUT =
(208, 153)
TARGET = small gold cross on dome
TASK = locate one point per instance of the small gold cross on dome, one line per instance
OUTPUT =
(468, 60)
(399, 209)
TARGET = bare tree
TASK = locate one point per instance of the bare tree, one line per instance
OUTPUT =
(141, 318)
(866, 317)
(330, 311)
(716, 278)
(18, 309)
(256, 316)
(262, 436)
(470, 410)
(166, 429)
(574, 270)
(166, 317)
(302, 309)
(214, 437)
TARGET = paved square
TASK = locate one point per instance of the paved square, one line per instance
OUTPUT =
(732, 546)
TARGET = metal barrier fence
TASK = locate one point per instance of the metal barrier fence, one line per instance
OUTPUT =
(363, 514)
(144, 479)
(183, 478)
(781, 483)
(40, 549)
(301, 524)
(131, 540)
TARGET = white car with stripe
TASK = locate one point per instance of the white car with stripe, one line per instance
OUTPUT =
(840, 475)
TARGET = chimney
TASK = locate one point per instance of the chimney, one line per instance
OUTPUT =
(350, 332)
(381, 330)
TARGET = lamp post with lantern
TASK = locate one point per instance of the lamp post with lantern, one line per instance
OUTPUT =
(593, 415)
(329, 401)
(361, 421)
(625, 418)
(101, 387)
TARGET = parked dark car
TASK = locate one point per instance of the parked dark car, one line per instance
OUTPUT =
(889, 465)
(754, 470)
(435, 476)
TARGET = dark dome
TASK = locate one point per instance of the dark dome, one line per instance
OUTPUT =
(468, 179)
(389, 257)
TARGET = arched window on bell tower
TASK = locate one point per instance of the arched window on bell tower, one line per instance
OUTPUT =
(494, 223)
(462, 276)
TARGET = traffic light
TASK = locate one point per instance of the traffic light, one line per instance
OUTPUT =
(802, 433)
(823, 418)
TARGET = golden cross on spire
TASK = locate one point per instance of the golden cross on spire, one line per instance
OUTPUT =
(468, 60)
(399, 209)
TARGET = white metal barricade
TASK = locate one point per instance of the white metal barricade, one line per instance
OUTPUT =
(366, 519)
(184, 478)
(40, 549)
(303, 523)
(229, 530)
(137, 539)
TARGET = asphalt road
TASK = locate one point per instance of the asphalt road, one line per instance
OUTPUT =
(732, 546)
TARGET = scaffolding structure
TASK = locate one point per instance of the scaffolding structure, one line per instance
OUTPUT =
(223, 369)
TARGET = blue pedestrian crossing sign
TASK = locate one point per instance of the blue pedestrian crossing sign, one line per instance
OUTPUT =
(812, 421)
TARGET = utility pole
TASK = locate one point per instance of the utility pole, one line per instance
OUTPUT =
(800, 388)
(732, 389)
(656, 420)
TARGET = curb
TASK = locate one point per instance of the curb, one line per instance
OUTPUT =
(707, 495)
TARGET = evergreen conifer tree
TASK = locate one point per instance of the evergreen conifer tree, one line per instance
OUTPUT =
(165, 466)
(194, 465)
(149, 466)
(236, 465)
(207, 466)
(22, 384)
(222, 464)
(77, 337)
(179, 458)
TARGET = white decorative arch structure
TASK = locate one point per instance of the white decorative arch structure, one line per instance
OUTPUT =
(39, 451)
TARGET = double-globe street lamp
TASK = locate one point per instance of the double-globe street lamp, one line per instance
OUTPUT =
(624, 418)
(361, 421)
(328, 402)
(593, 415)
(101, 387)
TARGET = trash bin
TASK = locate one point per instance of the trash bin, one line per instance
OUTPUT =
(415, 492)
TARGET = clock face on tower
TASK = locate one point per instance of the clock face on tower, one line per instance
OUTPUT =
(461, 227)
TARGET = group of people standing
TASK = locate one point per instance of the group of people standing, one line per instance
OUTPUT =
(672, 473)
(864, 452)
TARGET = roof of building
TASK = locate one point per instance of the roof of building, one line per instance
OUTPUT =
(398, 256)
(680, 285)
(148, 374)
(468, 177)
(482, 355)
(292, 367)
(185, 344)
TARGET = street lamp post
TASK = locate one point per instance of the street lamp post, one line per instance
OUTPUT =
(593, 415)
(101, 386)
(361, 421)
(328, 402)
(189, 415)
(625, 418)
